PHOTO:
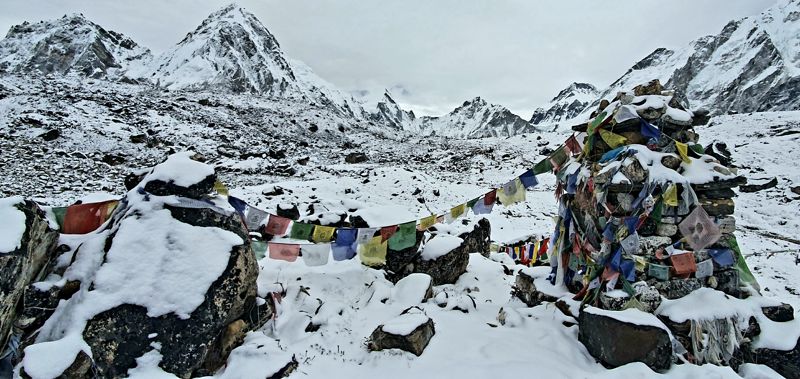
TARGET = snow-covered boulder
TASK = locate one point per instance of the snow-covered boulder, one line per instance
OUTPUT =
(413, 289)
(617, 338)
(411, 331)
(26, 246)
(479, 238)
(444, 258)
(172, 277)
(525, 288)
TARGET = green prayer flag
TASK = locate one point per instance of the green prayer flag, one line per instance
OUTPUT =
(301, 231)
(471, 203)
(405, 237)
(59, 212)
(259, 249)
(595, 123)
(559, 157)
(627, 287)
(658, 209)
(697, 148)
(745, 275)
(543, 166)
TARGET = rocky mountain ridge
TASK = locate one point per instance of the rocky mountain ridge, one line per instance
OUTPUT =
(568, 104)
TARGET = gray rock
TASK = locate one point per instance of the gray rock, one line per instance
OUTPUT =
(447, 268)
(479, 239)
(649, 245)
(525, 290)
(786, 363)
(194, 191)
(726, 224)
(677, 288)
(356, 158)
(613, 303)
(25, 265)
(666, 230)
(415, 342)
(779, 313)
(616, 343)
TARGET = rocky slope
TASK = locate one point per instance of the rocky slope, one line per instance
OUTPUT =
(69, 45)
(570, 102)
(752, 65)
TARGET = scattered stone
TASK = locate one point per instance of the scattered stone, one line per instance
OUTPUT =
(759, 187)
(113, 159)
(356, 158)
(50, 135)
(411, 332)
(677, 288)
(779, 313)
(138, 138)
(525, 290)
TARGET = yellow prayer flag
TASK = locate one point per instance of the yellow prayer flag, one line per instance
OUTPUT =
(640, 263)
(671, 195)
(220, 188)
(373, 253)
(511, 193)
(683, 151)
(426, 222)
(612, 139)
(458, 211)
(322, 233)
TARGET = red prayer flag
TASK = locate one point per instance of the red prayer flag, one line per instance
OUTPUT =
(86, 218)
(490, 198)
(683, 264)
(284, 251)
(277, 225)
(388, 231)
(572, 145)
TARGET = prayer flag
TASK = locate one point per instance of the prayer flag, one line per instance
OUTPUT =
(612, 139)
(220, 188)
(490, 198)
(86, 218)
(457, 211)
(657, 271)
(59, 213)
(671, 195)
(259, 249)
(344, 247)
(628, 269)
(301, 231)
(572, 145)
(745, 275)
(684, 263)
(471, 203)
(640, 263)
(683, 151)
(322, 233)
(387, 232)
(595, 123)
(559, 157)
(373, 253)
(481, 207)
(316, 255)
(284, 251)
(426, 222)
(238, 204)
(405, 237)
(722, 257)
(648, 130)
(698, 228)
(543, 166)
(511, 193)
(365, 235)
(254, 218)
(528, 179)
(277, 225)
(704, 269)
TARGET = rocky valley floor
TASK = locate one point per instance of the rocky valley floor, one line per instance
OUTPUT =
(269, 156)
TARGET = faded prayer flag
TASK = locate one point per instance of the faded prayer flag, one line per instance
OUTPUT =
(373, 253)
(316, 255)
(86, 218)
(344, 247)
(405, 237)
(284, 251)
(277, 225)
(322, 233)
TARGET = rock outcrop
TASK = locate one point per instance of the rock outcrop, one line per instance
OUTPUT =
(176, 277)
(27, 260)
(411, 332)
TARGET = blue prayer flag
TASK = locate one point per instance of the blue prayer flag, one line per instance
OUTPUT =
(649, 130)
(528, 179)
(237, 204)
(723, 257)
(344, 247)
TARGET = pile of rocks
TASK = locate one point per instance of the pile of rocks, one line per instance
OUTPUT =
(646, 217)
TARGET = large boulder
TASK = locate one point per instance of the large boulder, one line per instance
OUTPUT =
(786, 363)
(27, 246)
(617, 338)
(479, 238)
(175, 277)
(411, 332)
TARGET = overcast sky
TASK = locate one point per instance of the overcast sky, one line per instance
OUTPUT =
(433, 55)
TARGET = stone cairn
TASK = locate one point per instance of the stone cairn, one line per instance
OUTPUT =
(645, 215)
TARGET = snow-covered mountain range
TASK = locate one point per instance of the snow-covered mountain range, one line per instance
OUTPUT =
(752, 65)
(231, 51)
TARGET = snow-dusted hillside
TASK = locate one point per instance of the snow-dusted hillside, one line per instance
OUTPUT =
(568, 104)
(69, 45)
(752, 65)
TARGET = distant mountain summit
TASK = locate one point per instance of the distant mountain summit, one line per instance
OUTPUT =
(475, 118)
(569, 103)
(71, 45)
(387, 111)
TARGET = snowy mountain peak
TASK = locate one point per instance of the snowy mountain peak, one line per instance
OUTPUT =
(388, 112)
(69, 45)
(475, 118)
(230, 50)
(569, 103)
